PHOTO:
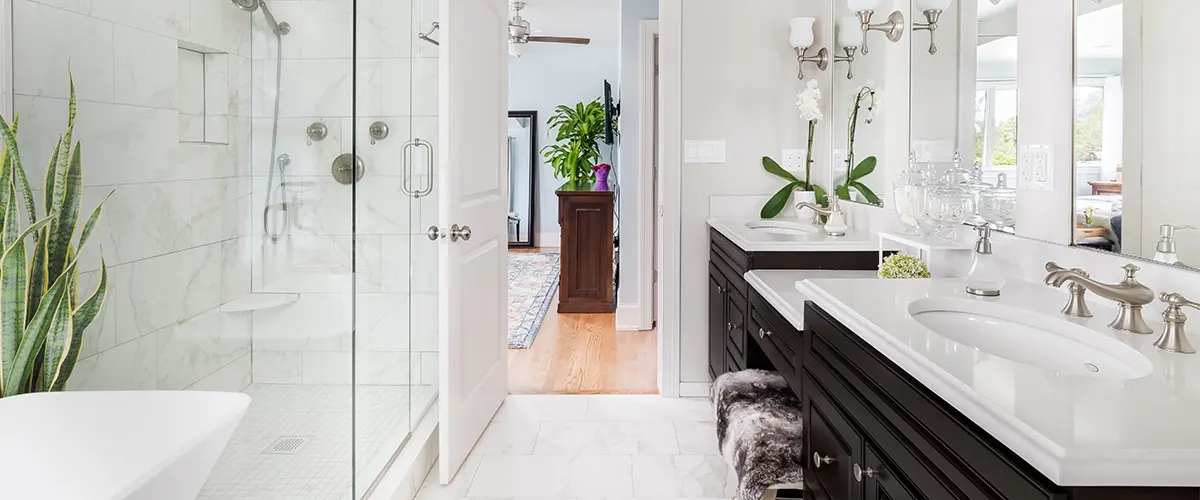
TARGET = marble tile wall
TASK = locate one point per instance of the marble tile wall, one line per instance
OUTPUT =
(174, 232)
(394, 80)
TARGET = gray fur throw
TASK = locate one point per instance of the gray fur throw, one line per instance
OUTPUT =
(759, 430)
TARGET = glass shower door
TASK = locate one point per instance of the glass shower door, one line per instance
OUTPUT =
(395, 135)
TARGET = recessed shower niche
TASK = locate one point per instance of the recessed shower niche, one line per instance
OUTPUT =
(203, 94)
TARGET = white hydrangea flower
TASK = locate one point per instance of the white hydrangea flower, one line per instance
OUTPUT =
(903, 266)
(809, 102)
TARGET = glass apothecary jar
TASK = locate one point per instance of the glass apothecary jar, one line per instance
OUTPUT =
(998, 205)
(909, 192)
(949, 205)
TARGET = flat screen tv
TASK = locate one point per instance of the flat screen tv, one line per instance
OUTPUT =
(611, 112)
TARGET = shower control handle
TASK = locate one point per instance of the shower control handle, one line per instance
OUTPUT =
(460, 233)
(435, 233)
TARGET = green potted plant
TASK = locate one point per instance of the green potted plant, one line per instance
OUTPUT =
(867, 102)
(577, 143)
(809, 103)
(42, 315)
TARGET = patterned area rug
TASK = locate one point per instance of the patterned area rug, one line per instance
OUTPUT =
(532, 281)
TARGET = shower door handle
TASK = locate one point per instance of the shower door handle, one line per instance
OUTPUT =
(406, 155)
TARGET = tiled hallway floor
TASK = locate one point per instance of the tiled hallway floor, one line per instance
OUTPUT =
(546, 446)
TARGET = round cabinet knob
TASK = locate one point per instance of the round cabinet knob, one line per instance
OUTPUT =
(859, 472)
(818, 460)
(729, 326)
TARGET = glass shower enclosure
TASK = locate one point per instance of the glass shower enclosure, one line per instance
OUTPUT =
(272, 164)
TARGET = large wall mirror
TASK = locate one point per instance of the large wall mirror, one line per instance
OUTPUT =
(859, 77)
(522, 175)
(963, 130)
(1136, 188)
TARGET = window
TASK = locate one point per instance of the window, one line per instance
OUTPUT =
(996, 125)
(1089, 121)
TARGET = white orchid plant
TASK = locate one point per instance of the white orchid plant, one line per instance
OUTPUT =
(808, 101)
(868, 105)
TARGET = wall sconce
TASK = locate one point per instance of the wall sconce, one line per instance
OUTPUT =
(933, 11)
(801, 39)
(850, 38)
(893, 29)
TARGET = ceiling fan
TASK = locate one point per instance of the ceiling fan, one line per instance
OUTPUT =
(519, 32)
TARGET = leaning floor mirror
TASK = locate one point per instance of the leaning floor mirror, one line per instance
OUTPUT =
(522, 175)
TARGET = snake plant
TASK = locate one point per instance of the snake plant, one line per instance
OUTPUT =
(42, 318)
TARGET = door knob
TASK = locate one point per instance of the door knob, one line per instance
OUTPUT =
(435, 233)
(460, 233)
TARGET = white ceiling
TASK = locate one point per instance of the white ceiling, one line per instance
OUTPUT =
(1099, 36)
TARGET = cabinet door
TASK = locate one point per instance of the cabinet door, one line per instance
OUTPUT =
(735, 326)
(881, 481)
(833, 447)
(717, 289)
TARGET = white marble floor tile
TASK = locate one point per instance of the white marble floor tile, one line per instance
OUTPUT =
(457, 488)
(509, 437)
(697, 438)
(607, 438)
(544, 408)
(682, 476)
(550, 476)
(648, 408)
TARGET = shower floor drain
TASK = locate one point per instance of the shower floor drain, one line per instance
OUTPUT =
(286, 445)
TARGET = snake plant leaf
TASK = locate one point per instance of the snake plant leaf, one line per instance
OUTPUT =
(39, 276)
(68, 191)
(863, 169)
(91, 221)
(22, 369)
(48, 193)
(81, 319)
(772, 167)
(58, 342)
(9, 137)
(60, 160)
(866, 192)
(12, 296)
(775, 205)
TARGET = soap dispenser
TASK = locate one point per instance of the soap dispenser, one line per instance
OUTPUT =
(985, 278)
(1165, 251)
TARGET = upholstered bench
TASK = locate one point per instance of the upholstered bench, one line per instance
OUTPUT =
(760, 432)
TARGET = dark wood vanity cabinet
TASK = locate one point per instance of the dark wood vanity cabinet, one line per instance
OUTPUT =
(744, 331)
(872, 432)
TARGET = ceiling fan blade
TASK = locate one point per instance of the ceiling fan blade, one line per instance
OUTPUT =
(561, 39)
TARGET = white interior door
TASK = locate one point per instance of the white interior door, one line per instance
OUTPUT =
(474, 194)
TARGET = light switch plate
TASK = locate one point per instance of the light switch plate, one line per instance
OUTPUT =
(704, 151)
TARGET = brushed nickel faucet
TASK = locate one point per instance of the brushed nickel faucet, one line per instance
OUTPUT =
(1130, 295)
(835, 225)
(1173, 338)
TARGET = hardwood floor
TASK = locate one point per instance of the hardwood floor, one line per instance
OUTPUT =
(584, 354)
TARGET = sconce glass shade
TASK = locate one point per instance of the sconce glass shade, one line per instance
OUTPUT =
(924, 5)
(802, 31)
(516, 49)
(861, 5)
(849, 32)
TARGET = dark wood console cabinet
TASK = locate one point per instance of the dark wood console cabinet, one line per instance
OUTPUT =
(585, 217)
(736, 313)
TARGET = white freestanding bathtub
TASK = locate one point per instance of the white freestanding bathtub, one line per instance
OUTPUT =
(143, 445)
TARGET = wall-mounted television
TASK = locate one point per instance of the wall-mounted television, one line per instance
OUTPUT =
(611, 112)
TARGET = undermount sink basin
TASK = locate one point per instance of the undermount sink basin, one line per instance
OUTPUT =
(787, 228)
(1030, 338)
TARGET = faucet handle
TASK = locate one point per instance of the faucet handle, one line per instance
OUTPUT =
(1173, 338)
(1130, 270)
(1054, 267)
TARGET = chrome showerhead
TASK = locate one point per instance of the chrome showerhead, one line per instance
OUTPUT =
(252, 5)
(246, 5)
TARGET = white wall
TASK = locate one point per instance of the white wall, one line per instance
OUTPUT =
(741, 89)
(170, 232)
(548, 75)
(629, 164)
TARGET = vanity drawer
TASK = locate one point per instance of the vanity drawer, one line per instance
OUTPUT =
(736, 325)
(831, 445)
(902, 416)
(782, 343)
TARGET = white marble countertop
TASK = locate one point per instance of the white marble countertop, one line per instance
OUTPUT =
(779, 288)
(1077, 431)
(752, 240)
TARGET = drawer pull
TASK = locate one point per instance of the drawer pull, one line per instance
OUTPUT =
(729, 326)
(859, 472)
(720, 290)
(818, 460)
(764, 333)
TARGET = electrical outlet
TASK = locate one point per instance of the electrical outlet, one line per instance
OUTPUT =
(793, 159)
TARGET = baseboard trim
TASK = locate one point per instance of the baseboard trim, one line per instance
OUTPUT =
(404, 477)
(629, 318)
(547, 240)
(694, 389)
